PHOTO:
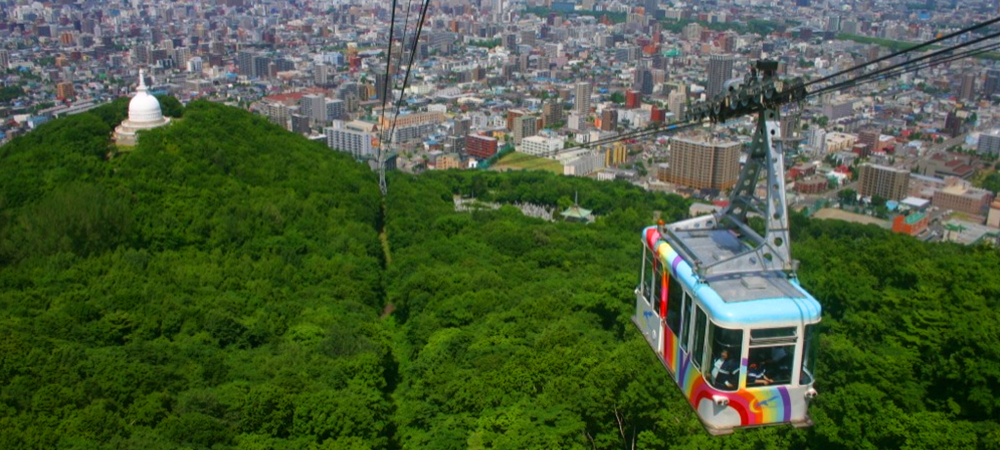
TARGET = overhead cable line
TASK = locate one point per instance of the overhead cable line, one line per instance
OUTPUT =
(409, 66)
(380, 155)
(406, 26)
(910, 69)
(848, 83)
(908, 50)
(941, 56)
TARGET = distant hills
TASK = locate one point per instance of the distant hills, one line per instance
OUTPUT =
(227, 284)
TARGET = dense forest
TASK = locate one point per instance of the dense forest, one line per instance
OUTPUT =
(226, 284)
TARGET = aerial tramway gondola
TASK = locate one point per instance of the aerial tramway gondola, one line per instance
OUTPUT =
(720, 304)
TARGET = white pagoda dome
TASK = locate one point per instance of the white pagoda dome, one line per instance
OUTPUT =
(143, 113)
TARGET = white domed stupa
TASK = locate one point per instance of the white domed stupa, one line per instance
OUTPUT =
(144, 113)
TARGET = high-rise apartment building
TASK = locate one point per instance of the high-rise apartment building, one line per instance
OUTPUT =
(889, 183)
(720, 69)
(353, 137)
(582, 106)
(524, 126)
(703, 164)
(4, 60)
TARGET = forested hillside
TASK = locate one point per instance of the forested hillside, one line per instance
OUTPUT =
(223, 285)
(216, 287)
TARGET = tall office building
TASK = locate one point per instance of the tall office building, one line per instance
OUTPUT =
(720, 69)
(4, 60)
(703, 164)
(335, 109)
(300, 124)
(181, 56)
(887, 182)
(322, 73)
(676, 103)
(380, 86)
(989, 144)
(461, 127)
(552, 112)
(992, 84)
(314, 106)
(582, 106)
(244, 63)
(195, 65)
(643, 81)
(968, 91)
(261, 67)
(953, 124)
(609, 120)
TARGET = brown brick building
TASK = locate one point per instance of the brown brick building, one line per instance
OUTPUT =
(703, 164)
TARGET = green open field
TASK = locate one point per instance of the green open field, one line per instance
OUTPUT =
(516, 160)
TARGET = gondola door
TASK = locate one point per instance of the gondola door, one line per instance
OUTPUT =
(648, 301)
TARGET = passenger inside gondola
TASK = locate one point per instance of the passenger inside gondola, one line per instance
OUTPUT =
(757, 374)
(774, 363)
(726, 372)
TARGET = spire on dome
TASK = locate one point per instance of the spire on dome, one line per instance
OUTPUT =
(142, 82)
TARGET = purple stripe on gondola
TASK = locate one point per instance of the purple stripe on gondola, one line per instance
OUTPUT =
(673, 265)
(682, 372)
(786, 403)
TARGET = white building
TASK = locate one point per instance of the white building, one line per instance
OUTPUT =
(541, 146)
(581, 162)
(355, 137)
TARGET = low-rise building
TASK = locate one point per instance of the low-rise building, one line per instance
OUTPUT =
(993, 218)
(448, 161)
(838, 142)
(912, 224)
(960, 196)
(481, 147)
(540, 146)
(812, 185)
